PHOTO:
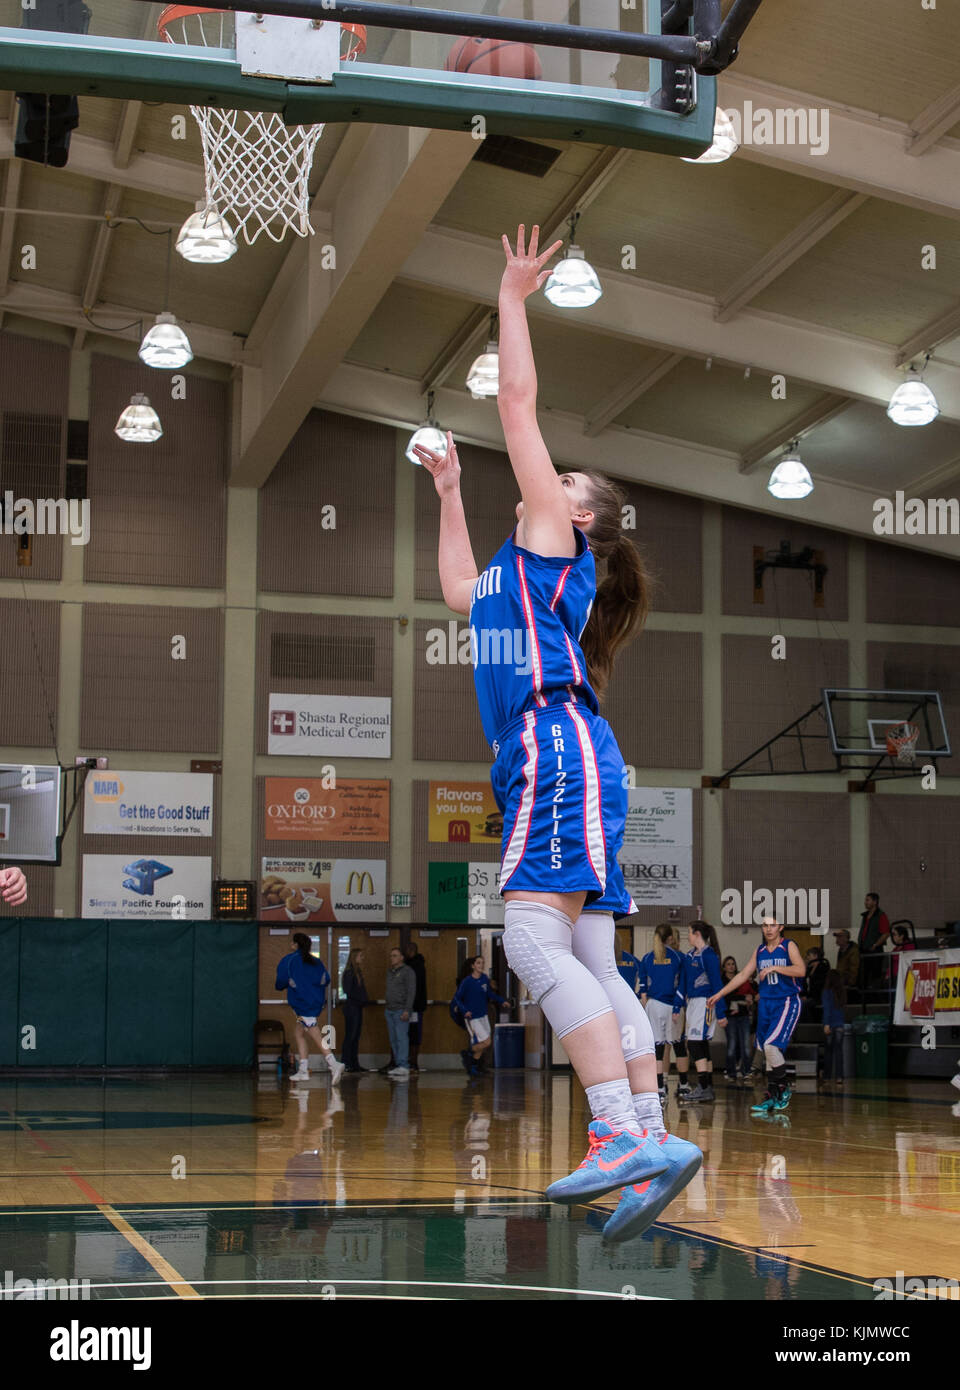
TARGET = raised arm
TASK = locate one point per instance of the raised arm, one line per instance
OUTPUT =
(458, 568)
(545, 525)
(739, 979)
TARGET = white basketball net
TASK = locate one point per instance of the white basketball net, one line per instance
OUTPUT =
(902, 742)
(256, 169)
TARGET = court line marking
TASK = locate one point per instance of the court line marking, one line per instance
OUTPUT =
(388, 1283)
(142, 1246)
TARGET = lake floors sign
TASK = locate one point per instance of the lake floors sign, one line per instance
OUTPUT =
(323, 726)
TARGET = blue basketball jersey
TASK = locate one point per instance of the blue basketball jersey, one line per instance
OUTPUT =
(776, 986)
(527, 613)
(660, 982)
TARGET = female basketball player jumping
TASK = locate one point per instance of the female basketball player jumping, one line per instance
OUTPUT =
(779, 969)
(559, 775)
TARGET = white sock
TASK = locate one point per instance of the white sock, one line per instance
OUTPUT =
(331, 1061)
(647, 1109)
(612, 1101)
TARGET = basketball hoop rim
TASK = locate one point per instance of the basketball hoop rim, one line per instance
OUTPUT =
(175, 12)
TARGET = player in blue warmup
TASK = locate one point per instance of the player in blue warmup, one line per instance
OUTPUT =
(305, 978)
(473, 996)
(660, 972)
(544, 637)
(701, 976)
(779, 970)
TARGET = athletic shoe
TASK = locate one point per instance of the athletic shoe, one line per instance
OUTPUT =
(615, 1157)
(302, 1073)
(955, 1081)
(336, 1071)
(698, 1094)
(766, 1106)
(641, 1203)
(401, 1073)
(683, 1089)
(730, 1077)
(783, 1099)
(662, 1094)
(466, 1057)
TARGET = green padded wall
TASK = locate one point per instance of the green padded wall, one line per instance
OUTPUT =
(150, 994)
(128, 994)
(9, 990)
(225, 993)
(63, 968)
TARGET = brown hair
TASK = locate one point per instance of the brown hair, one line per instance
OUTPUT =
(623, 595)
(837, 986)
(354, 965)
(708, 933)
(661, 936)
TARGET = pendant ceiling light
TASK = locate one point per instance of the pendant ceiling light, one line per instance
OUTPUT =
(790, 480)
(139, 423)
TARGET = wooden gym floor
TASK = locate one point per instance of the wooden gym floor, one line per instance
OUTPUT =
(238, 1187)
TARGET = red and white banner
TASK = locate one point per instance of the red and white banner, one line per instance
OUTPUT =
(928, 989)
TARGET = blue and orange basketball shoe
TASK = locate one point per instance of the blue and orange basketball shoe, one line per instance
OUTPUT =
(642, 1202)
(615, 1157)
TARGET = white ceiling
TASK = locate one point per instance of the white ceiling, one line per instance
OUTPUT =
(778, 262)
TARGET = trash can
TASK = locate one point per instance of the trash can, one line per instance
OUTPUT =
(870, 1033)
(849, 1053)
(508, 1045)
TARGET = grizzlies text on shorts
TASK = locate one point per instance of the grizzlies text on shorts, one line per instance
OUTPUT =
(559, 775)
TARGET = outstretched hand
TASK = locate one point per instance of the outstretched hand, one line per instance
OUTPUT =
(523, 273)
(443, 468)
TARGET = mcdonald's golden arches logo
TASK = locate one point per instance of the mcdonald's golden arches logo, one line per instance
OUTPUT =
(360, 878)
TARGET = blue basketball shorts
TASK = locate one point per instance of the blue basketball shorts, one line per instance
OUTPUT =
(776, 1020)
(558, 780)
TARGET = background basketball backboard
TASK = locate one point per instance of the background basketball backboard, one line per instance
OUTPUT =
(858, 721)
(29, 814)
(406, 76)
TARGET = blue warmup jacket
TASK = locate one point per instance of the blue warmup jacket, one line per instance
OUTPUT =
(305, 982)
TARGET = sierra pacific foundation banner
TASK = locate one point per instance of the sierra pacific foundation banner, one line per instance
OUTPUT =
(464, 812)
(298, 892)
(304, 808)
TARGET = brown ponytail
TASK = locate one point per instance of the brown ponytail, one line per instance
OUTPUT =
(623, 595)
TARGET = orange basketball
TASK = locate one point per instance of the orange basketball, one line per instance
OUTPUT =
(494, 58)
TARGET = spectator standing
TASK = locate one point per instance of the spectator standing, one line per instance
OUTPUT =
(355, 989)
(400, 992)
(417, 963)
(874, 926)
(739, 1010)
(848, 958)
(834, 1000)
(816, 977)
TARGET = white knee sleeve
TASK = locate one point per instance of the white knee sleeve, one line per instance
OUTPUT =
(595, 945)
(773, 1055)
(538, 943)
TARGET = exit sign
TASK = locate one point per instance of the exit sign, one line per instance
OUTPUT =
(401, 899)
